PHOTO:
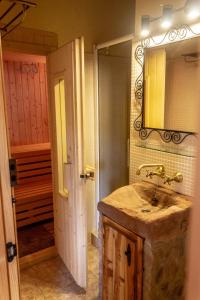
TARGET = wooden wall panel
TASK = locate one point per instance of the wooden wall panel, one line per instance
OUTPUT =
(27, 99)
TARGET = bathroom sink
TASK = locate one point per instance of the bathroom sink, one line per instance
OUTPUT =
(146, 208)
(156, 197)
(147, 198)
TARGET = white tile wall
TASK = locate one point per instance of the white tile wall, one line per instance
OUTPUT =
(183, 161)
(172, 162)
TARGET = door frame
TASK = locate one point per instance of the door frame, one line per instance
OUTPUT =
(30, 259)
(11, 280)
(123, 39)
(7, 209)
(4, 276)
(79, 208)
(27, 260)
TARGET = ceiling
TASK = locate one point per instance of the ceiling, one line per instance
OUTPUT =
(96, 20)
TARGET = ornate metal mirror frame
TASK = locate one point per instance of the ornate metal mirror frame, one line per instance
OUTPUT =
(175, 35)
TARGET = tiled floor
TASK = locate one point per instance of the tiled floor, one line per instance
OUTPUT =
(50, 280)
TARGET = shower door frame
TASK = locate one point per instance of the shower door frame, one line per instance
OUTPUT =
(123, 39)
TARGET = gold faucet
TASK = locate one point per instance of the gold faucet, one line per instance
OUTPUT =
(160, 170)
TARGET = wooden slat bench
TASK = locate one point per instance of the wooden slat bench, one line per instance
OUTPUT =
(33, 193)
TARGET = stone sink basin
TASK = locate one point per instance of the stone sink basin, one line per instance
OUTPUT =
(163, 228)
(150, 214)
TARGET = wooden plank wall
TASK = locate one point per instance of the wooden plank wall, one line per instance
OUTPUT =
(26, 98)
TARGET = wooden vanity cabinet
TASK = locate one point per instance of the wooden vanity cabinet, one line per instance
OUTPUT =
(122, 262)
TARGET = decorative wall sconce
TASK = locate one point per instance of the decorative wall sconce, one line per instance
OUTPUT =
(191, 9)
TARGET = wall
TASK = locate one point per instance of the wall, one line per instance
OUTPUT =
(193, 277)
(97, 21)
(175, 157)
(26, 98)
(113, 119)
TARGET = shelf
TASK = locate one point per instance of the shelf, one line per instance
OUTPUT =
(180, 152)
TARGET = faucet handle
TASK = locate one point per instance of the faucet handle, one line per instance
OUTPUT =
(178, 177)
(147, 173)
(168, 180)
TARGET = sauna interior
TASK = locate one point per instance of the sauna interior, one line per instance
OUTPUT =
(28, 125)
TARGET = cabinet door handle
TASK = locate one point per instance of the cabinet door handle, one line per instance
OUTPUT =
(128, 254)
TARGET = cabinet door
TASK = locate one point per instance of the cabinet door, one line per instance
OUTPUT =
(122, 263)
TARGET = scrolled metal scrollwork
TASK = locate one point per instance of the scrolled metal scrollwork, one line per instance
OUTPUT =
(139, 90)
(139, 54)
(176, 34)
(138, 123)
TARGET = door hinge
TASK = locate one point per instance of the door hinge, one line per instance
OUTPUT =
(13, 171)
(13, 200)
(11, 251)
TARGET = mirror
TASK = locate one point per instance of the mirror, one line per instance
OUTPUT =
(172, 86)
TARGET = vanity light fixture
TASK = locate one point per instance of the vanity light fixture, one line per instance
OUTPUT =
(167, 16)
(145, 26)
(192, 9)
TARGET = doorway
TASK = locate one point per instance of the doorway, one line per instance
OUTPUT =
(71, 255)
(26, 90)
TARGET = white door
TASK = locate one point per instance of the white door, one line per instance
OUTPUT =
(66, 80)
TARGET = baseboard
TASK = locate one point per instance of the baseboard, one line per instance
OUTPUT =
(94, 240)
(37, 257)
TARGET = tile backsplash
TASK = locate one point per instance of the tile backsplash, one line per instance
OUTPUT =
(176, 158)
(172, 162)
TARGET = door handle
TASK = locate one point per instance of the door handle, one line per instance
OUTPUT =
(128, 254)
(87, 175)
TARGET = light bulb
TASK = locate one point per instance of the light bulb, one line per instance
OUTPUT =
(167, 16)
(166, 24)
(145, 25)
(145, 32)
(192, 9)
(193, 14)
